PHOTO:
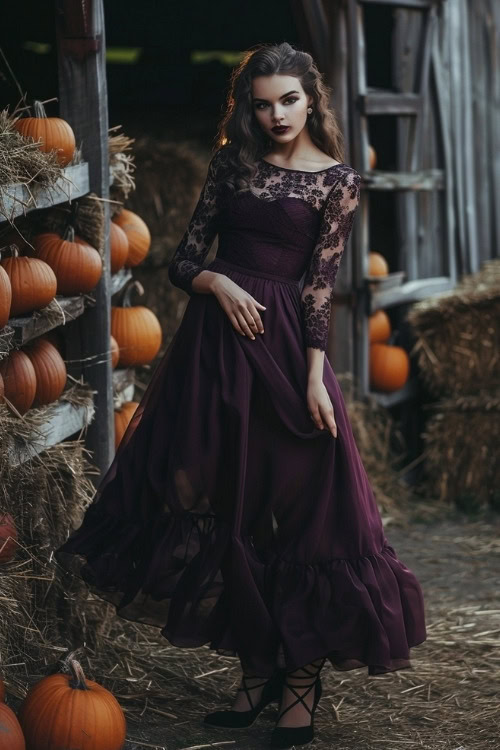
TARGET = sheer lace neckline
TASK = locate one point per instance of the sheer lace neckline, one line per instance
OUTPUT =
(304, 171)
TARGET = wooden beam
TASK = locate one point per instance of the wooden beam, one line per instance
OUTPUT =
(19, 199)
(83, 102)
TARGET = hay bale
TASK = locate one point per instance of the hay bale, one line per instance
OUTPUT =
(462, 440)
(458, 335)
(46, 496)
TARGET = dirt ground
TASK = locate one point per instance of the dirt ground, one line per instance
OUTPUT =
(448, 700)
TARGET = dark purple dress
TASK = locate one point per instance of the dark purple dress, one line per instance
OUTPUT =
(227, 518)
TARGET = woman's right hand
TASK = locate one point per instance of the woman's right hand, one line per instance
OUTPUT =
(241, 308)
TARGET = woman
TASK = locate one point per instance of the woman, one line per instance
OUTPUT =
(237, 512)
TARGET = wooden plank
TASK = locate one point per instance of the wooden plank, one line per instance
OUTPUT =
(119, 279)
(408, 391)
(411, 291)
(423, 179)
(389, 103)
(417, 4)
(441, 81)
(28, 327)
(63, 419)
(360, 235)
(340, 344)
(81, 45)
(18, 200)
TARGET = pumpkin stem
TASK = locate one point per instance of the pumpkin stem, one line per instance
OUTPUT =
(14, 250)
(39, 109)
(128, 292)
(69, 234)
(78, 681)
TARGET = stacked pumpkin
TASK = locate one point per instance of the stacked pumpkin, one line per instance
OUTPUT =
(33, 376)
(138, 335)
(136, 331)
(389, 364)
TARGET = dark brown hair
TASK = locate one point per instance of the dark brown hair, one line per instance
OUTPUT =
(239, 131)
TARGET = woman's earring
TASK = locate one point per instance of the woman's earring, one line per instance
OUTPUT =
(309, 110)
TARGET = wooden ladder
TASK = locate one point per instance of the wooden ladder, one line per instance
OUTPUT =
(410, 178)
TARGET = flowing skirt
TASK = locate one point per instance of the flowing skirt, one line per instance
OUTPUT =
(227, 518)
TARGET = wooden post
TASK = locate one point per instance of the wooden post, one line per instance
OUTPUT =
(83, 102)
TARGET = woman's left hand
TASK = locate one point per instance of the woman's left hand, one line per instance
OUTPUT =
(320, 406)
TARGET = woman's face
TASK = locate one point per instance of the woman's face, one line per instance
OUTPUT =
(280, 100)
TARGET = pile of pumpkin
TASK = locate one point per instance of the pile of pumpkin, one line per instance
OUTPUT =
(389, 364)
(63, 711)
(36, 375)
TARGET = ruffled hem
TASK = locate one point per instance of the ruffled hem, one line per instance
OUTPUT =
(200, 585)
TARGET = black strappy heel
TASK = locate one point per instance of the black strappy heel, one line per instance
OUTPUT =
(240, 719)
(289, 736)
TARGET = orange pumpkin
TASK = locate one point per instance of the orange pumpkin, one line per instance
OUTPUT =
(50, 371)
(377, 265)
(33, 283)
(389, 367)
(379, 327)
(119, 247)
(5, 297)
(115, 352)
(19, 380)
(69, 711)
(123, 415)
(372, 156)
(77, 265)
(2, 389)
(51, 133)
(8, 543)
(139, 237)
(11, 734)
(136, 329)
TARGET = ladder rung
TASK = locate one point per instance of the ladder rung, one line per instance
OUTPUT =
(401, 3)
(423, 179)
(389, 103)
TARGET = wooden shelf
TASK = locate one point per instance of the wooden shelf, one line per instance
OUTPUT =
(123, 385)
(423, 179)
(63, 420)
(411, 291)
(122, 378)
(408, 391)
(400, 3)
(17, 200)
(62, 310)
(119, 279)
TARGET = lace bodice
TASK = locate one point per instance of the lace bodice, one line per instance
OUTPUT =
(332, 193)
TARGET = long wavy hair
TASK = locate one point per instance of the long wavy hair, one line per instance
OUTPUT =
(239, 131)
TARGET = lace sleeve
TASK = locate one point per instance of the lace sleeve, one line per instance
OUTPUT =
(199, 235)
(317, 293)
